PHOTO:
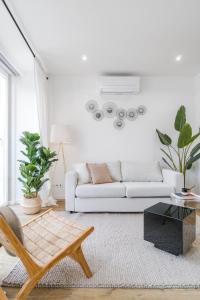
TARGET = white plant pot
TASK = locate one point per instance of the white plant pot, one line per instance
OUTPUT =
(31, 206)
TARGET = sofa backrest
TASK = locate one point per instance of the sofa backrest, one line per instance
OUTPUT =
(124, 171)
(141, 171)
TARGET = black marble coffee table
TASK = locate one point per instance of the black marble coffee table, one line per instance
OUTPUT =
(170, 227)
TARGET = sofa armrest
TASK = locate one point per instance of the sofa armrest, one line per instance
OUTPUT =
(173, 178)
(71, 180)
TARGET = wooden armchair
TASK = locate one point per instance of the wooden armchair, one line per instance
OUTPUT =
(48, 238)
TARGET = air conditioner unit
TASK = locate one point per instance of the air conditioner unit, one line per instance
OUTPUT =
(119, 85)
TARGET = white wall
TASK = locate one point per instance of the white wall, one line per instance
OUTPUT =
(100, 141)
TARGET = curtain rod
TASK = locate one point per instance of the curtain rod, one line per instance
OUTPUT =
(17, 25)
(19, 29)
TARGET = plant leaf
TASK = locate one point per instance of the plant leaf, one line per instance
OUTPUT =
(194, 158)
(166, 162)
(180, 119)
(194, 137)
(185, 136)
(169, 157)
(189, 165)
(195, 149)
(164, 138)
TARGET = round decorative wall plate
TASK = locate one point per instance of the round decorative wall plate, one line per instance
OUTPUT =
(132, 114)
(91, 106)
(119, 124)
(141, 110)
(121, 113)
(98, 115)
(109, 109)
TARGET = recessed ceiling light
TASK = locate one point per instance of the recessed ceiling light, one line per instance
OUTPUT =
(84, 57)
(179, 58)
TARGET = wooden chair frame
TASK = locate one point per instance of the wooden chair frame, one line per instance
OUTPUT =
(36, 271)
(2, 295)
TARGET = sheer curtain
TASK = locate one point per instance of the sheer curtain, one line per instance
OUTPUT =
(42, 109)
(3, 138)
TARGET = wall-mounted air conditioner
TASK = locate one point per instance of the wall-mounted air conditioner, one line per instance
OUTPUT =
(119, 85)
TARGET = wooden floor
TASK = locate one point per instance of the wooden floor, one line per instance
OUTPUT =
(7, 263)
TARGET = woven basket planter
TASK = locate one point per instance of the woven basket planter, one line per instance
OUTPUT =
(31, 206)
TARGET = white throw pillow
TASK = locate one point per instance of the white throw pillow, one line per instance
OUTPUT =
(114, 168)
(141, 171)
(83, 173)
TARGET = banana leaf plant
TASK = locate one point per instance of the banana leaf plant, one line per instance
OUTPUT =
(38, 160)
(181, 155)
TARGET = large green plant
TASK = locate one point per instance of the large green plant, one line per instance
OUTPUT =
(180, 157)
(38, 160)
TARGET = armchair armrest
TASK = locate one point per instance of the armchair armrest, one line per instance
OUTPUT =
(173, 178)
(71, 180)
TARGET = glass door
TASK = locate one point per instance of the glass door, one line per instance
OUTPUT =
(3, 137)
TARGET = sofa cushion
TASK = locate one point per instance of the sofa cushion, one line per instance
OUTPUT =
(12, 220)
(83, 174)
(148, 189)
(109, 190)
(115, 170)
(141, 171)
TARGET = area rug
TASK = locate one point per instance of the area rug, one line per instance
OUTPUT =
(120, 258)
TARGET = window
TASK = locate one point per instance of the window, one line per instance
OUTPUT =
(4, 79)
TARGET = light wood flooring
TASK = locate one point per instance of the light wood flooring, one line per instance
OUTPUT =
(7, 262)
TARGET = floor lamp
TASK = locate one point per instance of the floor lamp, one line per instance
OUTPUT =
(60, 135)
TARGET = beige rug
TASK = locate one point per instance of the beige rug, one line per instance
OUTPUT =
(119, 257)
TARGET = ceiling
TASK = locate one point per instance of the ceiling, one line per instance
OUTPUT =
(11, 44)
(118, 36)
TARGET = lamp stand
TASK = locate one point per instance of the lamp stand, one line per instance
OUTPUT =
(60, 150)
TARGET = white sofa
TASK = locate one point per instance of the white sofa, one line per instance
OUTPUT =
(136, 186)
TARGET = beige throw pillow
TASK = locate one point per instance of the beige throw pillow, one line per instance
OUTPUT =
(99, 173)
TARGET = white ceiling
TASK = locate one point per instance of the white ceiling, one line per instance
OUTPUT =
(124, 36)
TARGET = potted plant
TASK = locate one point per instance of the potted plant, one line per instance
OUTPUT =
(38, 160)
(180, 156)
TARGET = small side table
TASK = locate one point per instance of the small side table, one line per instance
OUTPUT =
(170, 227)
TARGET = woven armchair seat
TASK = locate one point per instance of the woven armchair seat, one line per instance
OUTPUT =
(45, 236)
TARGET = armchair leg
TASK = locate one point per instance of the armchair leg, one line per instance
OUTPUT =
(26, 289)
(78, 256)
(29, 285)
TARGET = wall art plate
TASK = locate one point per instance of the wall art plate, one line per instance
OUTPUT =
(109, 109)
(98, 115)
(119, 124)
(132, 114)
(121, 113)
(91, 106)
(141, 110)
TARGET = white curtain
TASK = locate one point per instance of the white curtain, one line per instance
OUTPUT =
(42, 109)
(3, 138)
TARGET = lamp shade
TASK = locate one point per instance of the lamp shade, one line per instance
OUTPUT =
(60, 134)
